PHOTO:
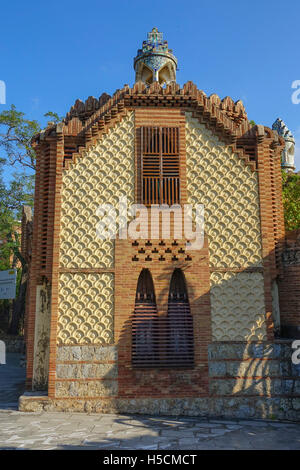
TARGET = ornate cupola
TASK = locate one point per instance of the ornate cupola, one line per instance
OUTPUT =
(288, 153)
(155, 62)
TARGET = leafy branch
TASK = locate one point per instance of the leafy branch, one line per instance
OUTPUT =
(291, 200)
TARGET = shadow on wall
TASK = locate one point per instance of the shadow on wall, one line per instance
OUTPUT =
(242, 363)
(232, 377)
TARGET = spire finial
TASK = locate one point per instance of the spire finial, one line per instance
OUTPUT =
(155, 62)
(288, 153)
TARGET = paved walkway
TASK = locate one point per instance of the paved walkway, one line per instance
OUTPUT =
(81, 431)
(94, 431)
(12, 378)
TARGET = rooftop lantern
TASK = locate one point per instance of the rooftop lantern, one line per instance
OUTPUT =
(155, 62)
(288, 153)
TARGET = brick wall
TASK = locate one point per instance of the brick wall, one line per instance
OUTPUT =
(289, 286)
(157, 382)
(86, 382)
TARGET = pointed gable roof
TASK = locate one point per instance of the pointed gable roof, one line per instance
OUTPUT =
(226, 118)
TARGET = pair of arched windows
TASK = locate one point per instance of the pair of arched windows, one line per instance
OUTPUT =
(162, 341)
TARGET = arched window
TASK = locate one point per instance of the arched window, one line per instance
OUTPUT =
(144, 323)
(180, 323)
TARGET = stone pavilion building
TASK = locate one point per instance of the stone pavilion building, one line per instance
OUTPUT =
(148, 325)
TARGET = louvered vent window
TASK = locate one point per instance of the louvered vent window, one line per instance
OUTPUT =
(164, 341)
(160, 165)
(144, 323)
(180, 323)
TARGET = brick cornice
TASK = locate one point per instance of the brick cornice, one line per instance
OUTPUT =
(225, 118)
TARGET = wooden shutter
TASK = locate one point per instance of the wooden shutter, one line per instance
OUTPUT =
(160, 165)
(150, 163)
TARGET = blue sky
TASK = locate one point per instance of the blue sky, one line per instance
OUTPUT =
(55, 52)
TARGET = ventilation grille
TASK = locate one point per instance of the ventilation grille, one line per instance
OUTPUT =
(160, 165)
(164, 341)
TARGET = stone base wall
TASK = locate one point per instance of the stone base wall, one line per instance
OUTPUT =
(86, 371)
(238, 407)
(253, 369)
(246, 380)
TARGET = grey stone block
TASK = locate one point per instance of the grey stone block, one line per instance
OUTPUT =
(264, 386)
(87, 353)
(93, 388)
(217, 369)
(86, 371)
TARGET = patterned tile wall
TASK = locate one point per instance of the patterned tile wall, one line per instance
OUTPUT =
(219, 179)
(102, 175)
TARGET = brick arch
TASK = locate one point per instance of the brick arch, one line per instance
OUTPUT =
(145, 287)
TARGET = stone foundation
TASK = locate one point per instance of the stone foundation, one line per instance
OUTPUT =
(86, 371)
(238, 407)
(246, 380)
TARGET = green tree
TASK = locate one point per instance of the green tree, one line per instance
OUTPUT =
(16, 152)
(15, 138)
(12, 198)
(16, 132)
(291, 200)
(54, 117)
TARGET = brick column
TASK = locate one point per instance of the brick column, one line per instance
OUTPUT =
(56, 168)
(267, 228)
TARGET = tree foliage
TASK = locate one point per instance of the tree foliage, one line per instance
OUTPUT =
(13, 197)
(16, 152)
(54, 117)
(16, 190)
(15, 138)
(291, 200)
(16, 132)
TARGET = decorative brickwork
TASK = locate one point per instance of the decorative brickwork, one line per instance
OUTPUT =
(231, 167)
(86, 306)
(217, 178)
(101, 176)
(237, 306)
(157, 382)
